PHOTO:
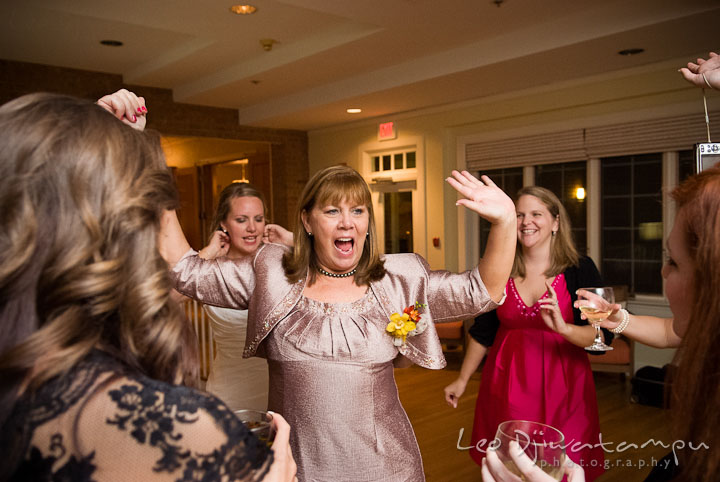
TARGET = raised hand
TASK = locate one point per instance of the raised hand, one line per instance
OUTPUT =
(704, 73)
(550, 312)
(218, 246)
(483, 197)
(127, 107)
(600, 302)
(274, 233)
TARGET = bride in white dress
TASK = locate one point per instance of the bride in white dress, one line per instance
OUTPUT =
(239, 227)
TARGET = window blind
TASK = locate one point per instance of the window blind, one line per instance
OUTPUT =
(638, 137)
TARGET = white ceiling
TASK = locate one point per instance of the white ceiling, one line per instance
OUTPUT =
(385, 57)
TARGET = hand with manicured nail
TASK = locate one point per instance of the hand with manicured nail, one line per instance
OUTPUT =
(127, 107)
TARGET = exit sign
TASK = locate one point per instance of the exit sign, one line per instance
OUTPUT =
(387, 131)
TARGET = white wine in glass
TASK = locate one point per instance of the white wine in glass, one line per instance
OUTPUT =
(596, 305)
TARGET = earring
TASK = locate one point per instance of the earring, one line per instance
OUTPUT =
(554, 233)
(367, 234)
(309, 234)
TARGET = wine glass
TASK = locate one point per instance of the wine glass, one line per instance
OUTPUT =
(545, 445)
(596, 305)
(260, 423)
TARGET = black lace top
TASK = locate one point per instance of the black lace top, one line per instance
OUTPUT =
(102, 422)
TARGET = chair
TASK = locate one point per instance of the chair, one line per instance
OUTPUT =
(620, 358)
(452, 335)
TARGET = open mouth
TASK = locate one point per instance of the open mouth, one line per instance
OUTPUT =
(250, 239)
(345, 245)
(528, 231)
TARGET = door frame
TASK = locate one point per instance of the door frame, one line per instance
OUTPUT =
(401, 180)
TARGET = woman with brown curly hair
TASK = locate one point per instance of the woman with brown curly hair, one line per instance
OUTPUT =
(92, 349)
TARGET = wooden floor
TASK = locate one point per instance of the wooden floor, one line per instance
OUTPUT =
(437, 426)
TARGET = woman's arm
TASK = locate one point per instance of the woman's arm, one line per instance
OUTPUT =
(473, 357)
(649, 330)
(492, 204)
(172, 243)
(131, 109)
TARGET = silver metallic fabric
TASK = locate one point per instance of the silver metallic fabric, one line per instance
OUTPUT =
(331, 372)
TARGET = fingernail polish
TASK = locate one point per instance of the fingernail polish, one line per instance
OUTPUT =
(134, 118)
(144, 109)
(139, 109)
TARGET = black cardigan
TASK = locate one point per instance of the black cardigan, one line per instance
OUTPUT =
(583, 275)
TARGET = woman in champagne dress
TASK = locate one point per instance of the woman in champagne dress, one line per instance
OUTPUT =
(333, 317)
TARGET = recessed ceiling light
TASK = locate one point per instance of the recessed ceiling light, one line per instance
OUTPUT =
(354, 111)
(243, 9)
(111, 43)
(629, 52)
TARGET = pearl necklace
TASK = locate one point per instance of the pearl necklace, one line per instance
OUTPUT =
(336, 275)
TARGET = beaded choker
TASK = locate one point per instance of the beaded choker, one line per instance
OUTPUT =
(336, 275)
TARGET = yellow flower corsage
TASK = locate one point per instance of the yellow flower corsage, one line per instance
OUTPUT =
(409, 323)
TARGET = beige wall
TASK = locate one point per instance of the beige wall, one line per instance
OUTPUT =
(612, 98)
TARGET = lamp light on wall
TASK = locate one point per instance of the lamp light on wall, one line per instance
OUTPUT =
(243, 9)
(580, 193)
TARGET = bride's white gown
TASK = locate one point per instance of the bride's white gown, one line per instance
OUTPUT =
(241, 383)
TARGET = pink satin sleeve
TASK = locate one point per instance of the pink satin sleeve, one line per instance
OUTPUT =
(219, 282)
(456, 296)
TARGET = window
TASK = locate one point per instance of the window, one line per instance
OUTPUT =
(564, 180)
(686, 164)
(510, 181)
(632, 229)
(393, 161)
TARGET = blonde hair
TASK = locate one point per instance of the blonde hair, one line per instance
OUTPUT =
(695, 393)
(82, 196)
(331, 186)
(230, 192)
(563, 253)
